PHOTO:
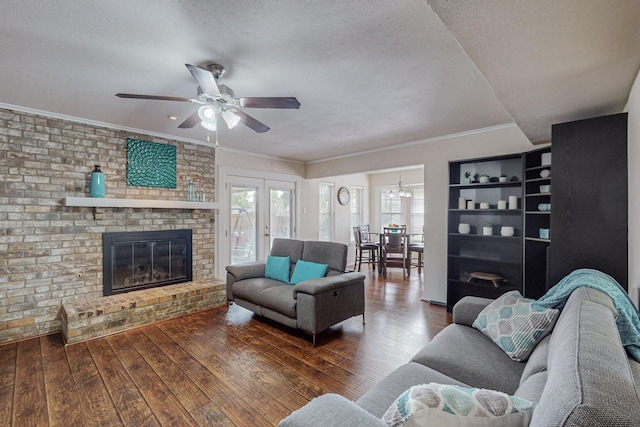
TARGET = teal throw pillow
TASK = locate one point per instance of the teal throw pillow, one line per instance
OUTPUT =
(305, 270)
(278, 268)
(445, 405)
(516, 324)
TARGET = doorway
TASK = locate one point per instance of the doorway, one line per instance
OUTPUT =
(258, 211)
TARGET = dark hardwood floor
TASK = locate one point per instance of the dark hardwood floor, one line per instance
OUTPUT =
(219, 367)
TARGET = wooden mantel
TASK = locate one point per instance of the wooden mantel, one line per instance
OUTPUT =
(98, 203)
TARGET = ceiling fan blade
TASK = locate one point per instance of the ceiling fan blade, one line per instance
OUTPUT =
(205, 80)
(191, 121)
(270, 102)
(251, 122)
(155, 97)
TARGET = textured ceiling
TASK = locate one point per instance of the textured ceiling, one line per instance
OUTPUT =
(550, 61)
(369, 74)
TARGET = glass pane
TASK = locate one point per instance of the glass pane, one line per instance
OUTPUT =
(326, 213)
(280, 214)
(243, 220)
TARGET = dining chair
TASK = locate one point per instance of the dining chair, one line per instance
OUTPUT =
(364, 246)
(394, 249)
(417, 247)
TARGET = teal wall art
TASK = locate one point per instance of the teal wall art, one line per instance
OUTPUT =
(150, 164)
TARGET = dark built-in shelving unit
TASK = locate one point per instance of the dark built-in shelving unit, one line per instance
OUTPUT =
(475, 252)
(537, 217)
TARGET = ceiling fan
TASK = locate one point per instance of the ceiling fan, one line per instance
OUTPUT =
(218, 100)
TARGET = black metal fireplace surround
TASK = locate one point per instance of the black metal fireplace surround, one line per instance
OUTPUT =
(145, 259)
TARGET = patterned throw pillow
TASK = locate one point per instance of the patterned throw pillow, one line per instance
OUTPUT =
(516, 324)
(450, 405)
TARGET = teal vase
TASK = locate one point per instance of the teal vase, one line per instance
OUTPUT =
(97, 183)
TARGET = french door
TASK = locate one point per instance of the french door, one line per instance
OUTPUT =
(259, 210)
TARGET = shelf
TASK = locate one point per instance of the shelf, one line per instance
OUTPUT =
(537, 194)
(536, 168)
(487, 185)
(537, 239)
(95, 202)
(485, 259)
(538, 212)
(488, 211)
(503, 284)
(493, 236)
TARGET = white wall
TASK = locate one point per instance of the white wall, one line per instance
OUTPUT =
(633, 109)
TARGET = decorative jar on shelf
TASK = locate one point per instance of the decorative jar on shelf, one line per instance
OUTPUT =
(464, 228)
(483, 179)
(96, 188)
(507, 231)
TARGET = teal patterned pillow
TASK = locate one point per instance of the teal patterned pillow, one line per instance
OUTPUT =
(451, 405)
(516, 324)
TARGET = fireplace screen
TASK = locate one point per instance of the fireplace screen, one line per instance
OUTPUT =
(139, 260)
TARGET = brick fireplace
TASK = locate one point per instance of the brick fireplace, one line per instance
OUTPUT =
(52, 253)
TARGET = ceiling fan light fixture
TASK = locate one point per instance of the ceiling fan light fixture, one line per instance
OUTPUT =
(208, 118)
(230, 118)
(207, 113)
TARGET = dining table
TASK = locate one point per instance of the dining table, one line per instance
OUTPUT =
(407, 253)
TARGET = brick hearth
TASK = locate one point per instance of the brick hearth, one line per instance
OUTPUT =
(96, 317)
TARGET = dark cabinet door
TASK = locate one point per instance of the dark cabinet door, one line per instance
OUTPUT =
(589, 226)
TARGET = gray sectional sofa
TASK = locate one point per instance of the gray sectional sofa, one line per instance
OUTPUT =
(311, 305)
(580, 374)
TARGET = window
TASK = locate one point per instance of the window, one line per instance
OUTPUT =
(417, 210)
(326, 212)
(356, 208)
(390, 207)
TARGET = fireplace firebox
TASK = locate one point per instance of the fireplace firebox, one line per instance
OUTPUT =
(145, 259)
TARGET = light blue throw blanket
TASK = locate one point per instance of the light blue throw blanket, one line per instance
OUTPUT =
(628, 321)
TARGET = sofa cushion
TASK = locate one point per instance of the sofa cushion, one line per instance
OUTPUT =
(531, 389)
(306, 270)
(287, 247)
(331, 253)
(249, 289)
(378, 399)
(279, 298)
(467, 355)
(589, 381)
(537, 362)
(451, 405)
(277, 268)
(516, 324)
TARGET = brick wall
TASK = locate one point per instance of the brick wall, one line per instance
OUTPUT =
(51, 254)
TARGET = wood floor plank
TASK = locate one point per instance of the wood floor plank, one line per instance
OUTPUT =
(63, 401)
(164, 404)
(29, 399)
(188, 393)
(216, 389)
(293, 400)
(98, 408)
(129, 402)
(231, 368)
(8, 354)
